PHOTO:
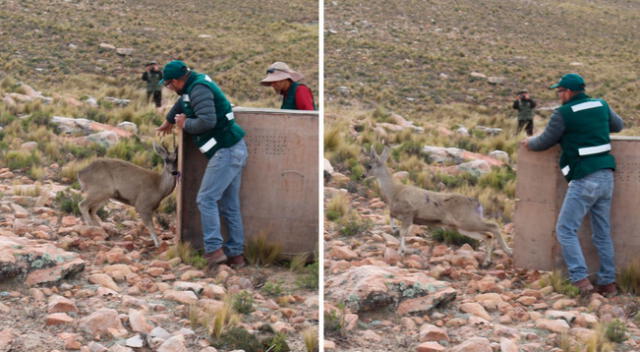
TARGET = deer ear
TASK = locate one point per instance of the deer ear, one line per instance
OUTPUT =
(385, 155)
(160, 150)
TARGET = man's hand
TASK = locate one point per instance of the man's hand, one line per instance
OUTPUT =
(525, 142)
(165, 129)
(180, 119)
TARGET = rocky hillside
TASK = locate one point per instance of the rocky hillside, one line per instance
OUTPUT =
(434, 81)
(70, 44)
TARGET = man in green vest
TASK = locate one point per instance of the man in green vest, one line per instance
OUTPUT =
(581, 125)
(204, 112)
(284, 81)
(152, 75)
(525, 105)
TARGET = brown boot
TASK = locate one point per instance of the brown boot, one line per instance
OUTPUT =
(214, 258)
(585, 287)
(236, 261)
(608, 290)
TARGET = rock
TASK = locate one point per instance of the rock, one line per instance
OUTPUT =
(104, 321)
(135, 341)
(426, 304)
(138, 322)
(429, 332)
(104, 280)
(475, 167)
(328, 169)
(391, 257)
(342, 252)
(59, 304)
(370, 287)
(41, 263)
(96, 347)
(29, 146)
(120, 348)
(507, 345)
(344, 91)
(563, 303)
(6, 339)
(70, 340)
(500, 155)
(430, 347)
(107, 46)
(128, 126)
(185, 297)
(173, 344)
(463, 131)
(496, 79)
(475, 309)
(124, 51)
(492, 131)
(558, 325)
(192, 274)
(214, 291)
(443, 155)
(58, 319)
(478, 75)
(103, 138)
(474, 344)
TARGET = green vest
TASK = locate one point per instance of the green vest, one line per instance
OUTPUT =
(585, 142)
(525, 112)
(226, 133)
(153, 82)
(289, 99)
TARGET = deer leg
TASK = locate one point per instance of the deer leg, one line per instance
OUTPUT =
(93, 212)
(488, 239)
(147, 219)
(394, 228)
(503, 244)
(84, 210)
(405, 225)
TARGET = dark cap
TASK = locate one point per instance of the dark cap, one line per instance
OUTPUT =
(571, 81)
(174, 69)
(151, 63)
(522, 91)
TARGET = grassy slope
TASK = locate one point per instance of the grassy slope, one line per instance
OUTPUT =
(389, 53)
(246, 36)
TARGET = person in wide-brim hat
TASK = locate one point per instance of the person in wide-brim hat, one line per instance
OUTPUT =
(284, 81)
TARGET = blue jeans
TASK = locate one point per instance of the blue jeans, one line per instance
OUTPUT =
(219, 194)
(589, 194)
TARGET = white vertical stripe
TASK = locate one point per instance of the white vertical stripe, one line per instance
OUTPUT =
(230, 116)
(585, 106)
(565, 170)
(185, 97)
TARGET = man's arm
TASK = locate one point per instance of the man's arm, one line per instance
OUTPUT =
(175, 110)
(615, 122)
(551, 135)
(516, 104)
(204, 109)
(145, 76)
(533, 103)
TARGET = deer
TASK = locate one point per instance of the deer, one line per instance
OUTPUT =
(413, 205)
(107, 178)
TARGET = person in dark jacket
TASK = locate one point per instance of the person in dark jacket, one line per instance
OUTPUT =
(525, 105)
(284, 80)
(581, 125)
(152, 75)
(204, 112)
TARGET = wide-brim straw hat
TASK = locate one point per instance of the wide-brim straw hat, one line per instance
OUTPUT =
(279, 71)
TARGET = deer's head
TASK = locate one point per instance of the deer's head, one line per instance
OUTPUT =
(170, 159)
(376, 164)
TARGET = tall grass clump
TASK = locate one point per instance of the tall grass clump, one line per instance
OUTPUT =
(261, 251)
(629, 278)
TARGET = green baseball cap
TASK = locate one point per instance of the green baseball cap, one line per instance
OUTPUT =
(571, 81)
(174, 69)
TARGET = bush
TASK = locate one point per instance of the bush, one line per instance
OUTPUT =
(273, 289)
(261, 251)
(334, 320)
(616, 331)
(453, 237)
(20, 159)
(67, 202)
(243, 302)
(629, 278)
(337, 207)
(310, 276)
(353, 224)
(560, 284)
(278, 343)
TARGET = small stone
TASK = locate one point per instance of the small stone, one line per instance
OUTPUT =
(59, 304)
(475, 309)
(58, 319)
(429, 332)
(558, 325)
(104, 280)
(430, 346)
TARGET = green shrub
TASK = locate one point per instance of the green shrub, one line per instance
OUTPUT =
(629, 278)
(21, 159)
(273, 289)
(278, 343)
(67, 202)
(616, 331)
(310, 276)
(497, 178)
(261, 251)
(243, 302)
(560, 284)
(353, 224)
(334, 320)
(453, 237)
(238, 338)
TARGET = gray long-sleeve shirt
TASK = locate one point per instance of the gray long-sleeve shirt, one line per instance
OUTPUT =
(555, 129)
(203, 107)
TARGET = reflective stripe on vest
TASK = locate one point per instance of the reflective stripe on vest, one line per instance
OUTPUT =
(585, 106)
(212, 142)
(185, 98)
(594, 150)
(565, 170)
